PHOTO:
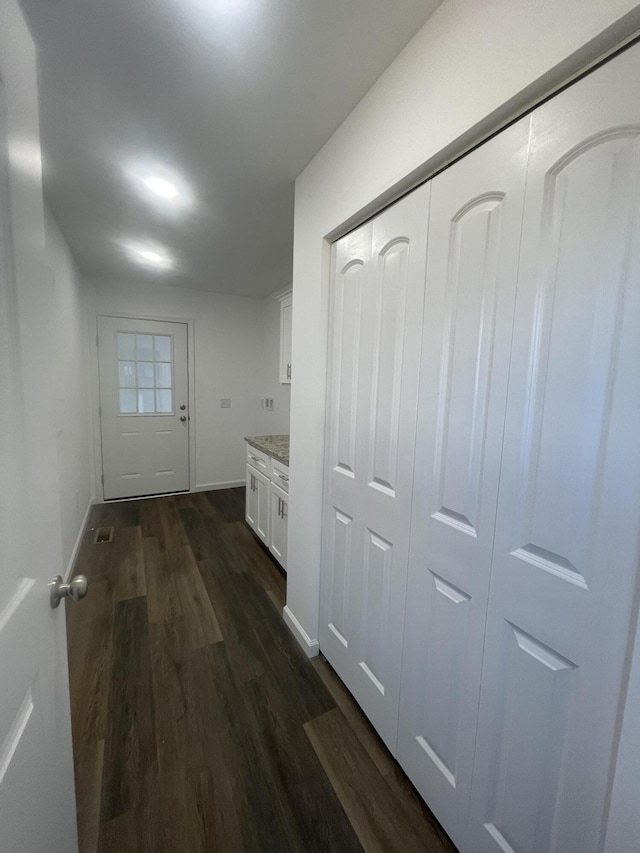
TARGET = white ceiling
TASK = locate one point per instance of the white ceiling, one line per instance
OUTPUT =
(229, 99)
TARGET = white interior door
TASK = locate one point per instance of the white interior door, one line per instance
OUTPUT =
(377, 301)
(37, 804)
(144, 406)
(564, 576)
(474, 242)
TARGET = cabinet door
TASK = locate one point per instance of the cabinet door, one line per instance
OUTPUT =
(251, 500)
(377, 301)
(286, 317)
(262, 488)
(474, 241)
(566, 556)
(279, 511)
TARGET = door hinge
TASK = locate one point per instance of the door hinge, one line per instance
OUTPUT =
(102, 479)
(99, 411)
(97, 341)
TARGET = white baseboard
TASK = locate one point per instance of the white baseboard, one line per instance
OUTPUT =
(310, 647)
(209, 487)
(72, 559)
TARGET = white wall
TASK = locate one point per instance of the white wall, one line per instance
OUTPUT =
(474, 64)
(71, 386)
(276, 422)
(229, 362)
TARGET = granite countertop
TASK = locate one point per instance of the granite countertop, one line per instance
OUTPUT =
(275, 445)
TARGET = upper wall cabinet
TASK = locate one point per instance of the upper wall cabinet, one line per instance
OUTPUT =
(285, 336)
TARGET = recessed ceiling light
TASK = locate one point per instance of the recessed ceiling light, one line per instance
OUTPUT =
(151, 257)
(161, 187)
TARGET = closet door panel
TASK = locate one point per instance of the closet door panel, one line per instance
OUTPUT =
(342, 524)
(474, 238)
(566, 552)
(371, 495)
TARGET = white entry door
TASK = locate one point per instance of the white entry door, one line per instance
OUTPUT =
(37, 804)
(144, 406)
(565, 569)
(377, 299)
(474, 245)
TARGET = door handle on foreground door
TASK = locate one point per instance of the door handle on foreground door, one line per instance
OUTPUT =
(183, 418)
(76, 589)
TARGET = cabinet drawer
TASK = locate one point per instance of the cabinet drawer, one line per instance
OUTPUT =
(258, 459)
(280, 474)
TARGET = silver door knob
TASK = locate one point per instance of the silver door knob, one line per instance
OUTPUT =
(183, 418)
(76, 589)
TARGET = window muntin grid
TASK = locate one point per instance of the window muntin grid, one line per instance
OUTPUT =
(145, 374)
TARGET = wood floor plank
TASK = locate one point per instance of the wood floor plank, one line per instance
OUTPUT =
(130, 746)
(208, 538)
(362, 728)
(314, 818)
(235, 622)
(115, 514)
(128, 563)
(90, 664)
(380, 817)
(240, 811)
(88, 766)
(257, 559)
(229, 503)
(200, 626)
(202, 505)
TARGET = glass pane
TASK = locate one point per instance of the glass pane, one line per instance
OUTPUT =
(163, 375)
(163, 401)
(127, 374)
(163, 347)
(145, 374)
(126, 346)
(144, 347)
(128, 402)
(145, 402)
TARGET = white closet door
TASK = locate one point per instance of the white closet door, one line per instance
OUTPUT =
(377, 303)
(566, 552)
(474, 242)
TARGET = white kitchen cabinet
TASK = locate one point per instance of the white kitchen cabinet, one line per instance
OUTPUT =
(278, 511)
(286, 310)
(257, 503)
(267, 501)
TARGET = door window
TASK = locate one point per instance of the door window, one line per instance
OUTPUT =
(145, 374)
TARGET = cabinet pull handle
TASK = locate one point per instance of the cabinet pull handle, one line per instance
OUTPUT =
(280, 506)
(255, 458)
(288, 371)
(282, 476)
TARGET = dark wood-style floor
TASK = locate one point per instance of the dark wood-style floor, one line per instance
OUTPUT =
(198, 723)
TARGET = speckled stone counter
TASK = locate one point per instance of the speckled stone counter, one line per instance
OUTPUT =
(275, 445)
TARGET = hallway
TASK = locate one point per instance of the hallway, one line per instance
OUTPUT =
(198, 723)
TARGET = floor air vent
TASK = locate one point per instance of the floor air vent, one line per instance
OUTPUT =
(103, 534)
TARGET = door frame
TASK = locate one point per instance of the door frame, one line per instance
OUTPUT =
(95, 392)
